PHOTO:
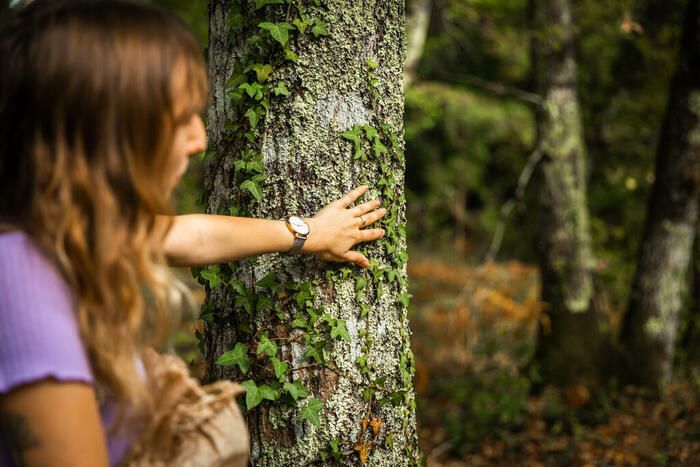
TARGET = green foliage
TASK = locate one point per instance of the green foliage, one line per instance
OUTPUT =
(237, 356)
(312, 411)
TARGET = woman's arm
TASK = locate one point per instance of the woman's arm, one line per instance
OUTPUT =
(200, 239)
(52, 423)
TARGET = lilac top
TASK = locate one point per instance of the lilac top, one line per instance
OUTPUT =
(39, 335)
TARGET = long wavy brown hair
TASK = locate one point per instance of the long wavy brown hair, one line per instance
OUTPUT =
(87, 118)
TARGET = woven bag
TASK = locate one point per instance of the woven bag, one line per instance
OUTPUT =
(194, 425)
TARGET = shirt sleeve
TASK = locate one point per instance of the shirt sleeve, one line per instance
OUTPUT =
(39, 334)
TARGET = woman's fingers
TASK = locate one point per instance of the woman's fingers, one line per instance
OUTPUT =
(351, 196)
(371, 217)
(368, 235)
(363, 208)
(357, 258)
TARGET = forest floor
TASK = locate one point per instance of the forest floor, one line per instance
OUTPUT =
(473, 330)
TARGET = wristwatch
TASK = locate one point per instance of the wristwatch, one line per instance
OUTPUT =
(300, 230)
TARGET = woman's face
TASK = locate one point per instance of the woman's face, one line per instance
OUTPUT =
(190, 138)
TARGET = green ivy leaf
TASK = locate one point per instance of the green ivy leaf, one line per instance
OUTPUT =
(365, 310)
(252, 89)
(211, 275)
(254, 166)
(281, 89)
(372, 64)
(264, 303)
(262, 72)
(253, 395)
(315, 353)
(269, 393)
(280, 367)
(253, 117)
(339, 329)
(237, 356)
(301, 24)
(290, 55)
(379, 148)
(301, 323)
(269, 282)
(370, 131)
(266, 346)
(353, 135)
(278, 31)
(319, 28)
(312, 411)
(404, 298)
(253, 188)
(296, 390)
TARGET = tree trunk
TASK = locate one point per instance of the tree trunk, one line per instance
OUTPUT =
(418, 22)
(298, 116)
(651, 322)
(567, 348)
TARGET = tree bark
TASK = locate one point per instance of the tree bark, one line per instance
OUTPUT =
(567, 348)
(334, 94)
(651, 323)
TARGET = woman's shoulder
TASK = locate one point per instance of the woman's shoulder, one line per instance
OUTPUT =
(24, 268)
(39, 334)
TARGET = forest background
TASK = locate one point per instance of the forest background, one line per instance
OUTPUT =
(474, 223)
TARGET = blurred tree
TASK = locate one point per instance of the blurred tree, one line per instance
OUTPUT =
(568, 343)
(307, 102)
(651, 322)
(418, 16)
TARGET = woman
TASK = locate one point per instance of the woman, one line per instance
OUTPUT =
(100, 107)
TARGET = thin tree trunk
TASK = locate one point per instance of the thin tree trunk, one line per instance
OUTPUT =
(335, 120)
(651, 322)
(418, 22)
(567, 349)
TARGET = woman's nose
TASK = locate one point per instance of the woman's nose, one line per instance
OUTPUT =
(198, 141)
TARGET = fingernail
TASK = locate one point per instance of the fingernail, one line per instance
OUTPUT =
(382, 210)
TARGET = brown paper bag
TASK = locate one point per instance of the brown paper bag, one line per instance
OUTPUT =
(194, 425)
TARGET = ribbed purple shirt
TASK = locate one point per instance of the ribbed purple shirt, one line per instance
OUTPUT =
(39, 335)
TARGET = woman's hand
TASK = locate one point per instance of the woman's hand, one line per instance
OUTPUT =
(335, 228)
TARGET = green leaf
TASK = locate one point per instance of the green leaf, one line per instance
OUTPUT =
(360, 283)
(253, 117)
(290, 55)
(281, 89)
(301, 323)
(262, 72)
(253, 188)
(301, 24)
(254, 166)
(340, 330)
(319, 28)
(379, 148)
(252, 89)
(312, 411)
(370, 131)
(278, 31)
(365, 310)
(315, 353)
(264, 303)
(353, 135)
(266, 346)
(372, 64)
(280, 367)
(269, 282)
(269, 393)
(237, 356)
(404, 298)
(211, 275)
(253, 395)
(261, 3)
(296, 390)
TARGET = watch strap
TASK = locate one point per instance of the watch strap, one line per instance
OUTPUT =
(296, 247)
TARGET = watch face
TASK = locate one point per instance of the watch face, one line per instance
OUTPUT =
(299, 225)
